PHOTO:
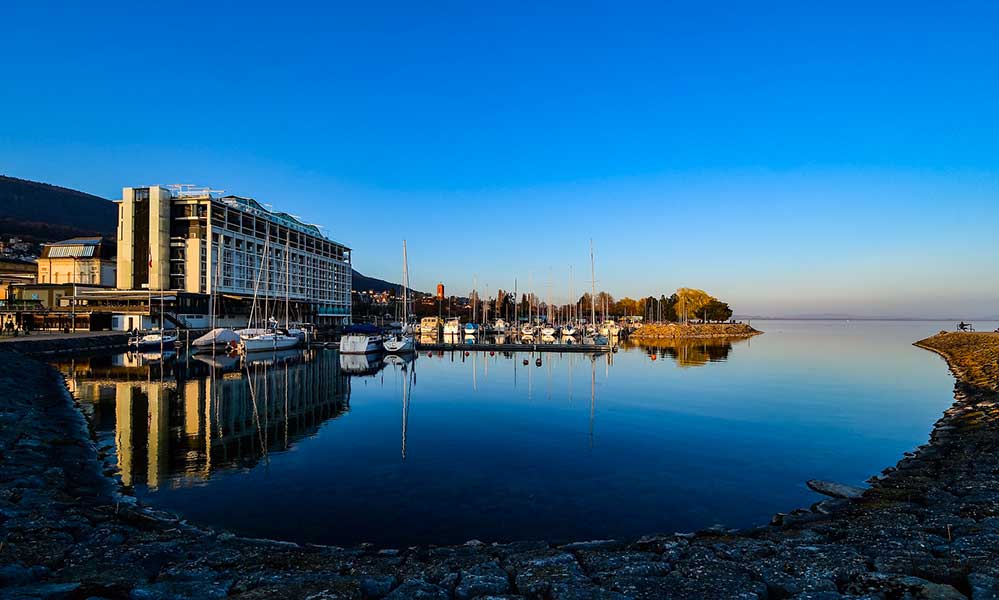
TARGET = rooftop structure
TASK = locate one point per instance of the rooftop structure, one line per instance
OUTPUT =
(83, 260)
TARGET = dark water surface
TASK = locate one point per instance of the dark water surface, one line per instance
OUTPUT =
(451, 447)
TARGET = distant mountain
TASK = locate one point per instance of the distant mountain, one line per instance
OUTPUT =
(39, 212)
(363, 283)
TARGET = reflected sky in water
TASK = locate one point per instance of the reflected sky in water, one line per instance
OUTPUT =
(312, 446)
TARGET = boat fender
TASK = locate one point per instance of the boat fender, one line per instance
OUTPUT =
(537, 363)
(525, 362)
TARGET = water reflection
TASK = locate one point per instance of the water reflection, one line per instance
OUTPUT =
(176, 423)
(493, 445)
(689, 353)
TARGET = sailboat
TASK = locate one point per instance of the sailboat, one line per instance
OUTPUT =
(472, 327)
(595, 337)
(154, 340)
(273, 339)
(403, 341)
(218, 337)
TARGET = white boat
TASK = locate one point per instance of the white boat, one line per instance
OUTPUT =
(452, 327)
(268, 342)
(500, 326)
(402, 341)
(216, 338)
(430, 326)
(548, 331)
(153, 341)
(471, 329)
(569, 330)
(361, 339)
(527, 329)
(399, 344)
(596, 340)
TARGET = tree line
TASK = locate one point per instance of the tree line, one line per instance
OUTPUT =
(683, 305)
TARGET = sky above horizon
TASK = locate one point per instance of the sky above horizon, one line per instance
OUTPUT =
(790, 159)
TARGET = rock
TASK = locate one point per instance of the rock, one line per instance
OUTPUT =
(16, 575)
(178, 590)
(417, 589)
(836, 490)
(42, 591)
(485, 579)
(593, 545)
(376, 587)
(983, 587)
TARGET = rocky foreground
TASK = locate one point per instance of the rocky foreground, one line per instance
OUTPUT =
(657, 331)
(927, 528)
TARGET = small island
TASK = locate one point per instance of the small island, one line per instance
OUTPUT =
(674, 318)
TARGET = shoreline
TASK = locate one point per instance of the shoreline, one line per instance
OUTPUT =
(927, 527)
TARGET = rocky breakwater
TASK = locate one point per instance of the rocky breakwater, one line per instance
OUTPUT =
(925, 528)
(664, 331)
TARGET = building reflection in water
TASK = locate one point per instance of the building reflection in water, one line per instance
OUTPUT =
(177, 423)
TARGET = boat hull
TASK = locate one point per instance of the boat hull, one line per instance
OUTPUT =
(361, 344)
(400, 346)
(269, 343)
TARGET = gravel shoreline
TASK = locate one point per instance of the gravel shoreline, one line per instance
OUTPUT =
(926, 528)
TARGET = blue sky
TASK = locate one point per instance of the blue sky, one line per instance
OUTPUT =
(788, 158)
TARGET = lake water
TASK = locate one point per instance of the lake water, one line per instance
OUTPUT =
(311, 446)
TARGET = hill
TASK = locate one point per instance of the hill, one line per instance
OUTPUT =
(39, 212)
(363, 283)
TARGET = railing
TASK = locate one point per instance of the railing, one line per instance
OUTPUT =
(22, 305)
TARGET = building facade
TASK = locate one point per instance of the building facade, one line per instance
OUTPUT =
(85, 260)
(192, 240)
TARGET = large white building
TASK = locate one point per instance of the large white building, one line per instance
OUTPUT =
(192, 242)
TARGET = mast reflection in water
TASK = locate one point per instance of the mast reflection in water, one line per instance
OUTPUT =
(176, 422)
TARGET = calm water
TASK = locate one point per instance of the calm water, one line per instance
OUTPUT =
(452, 447)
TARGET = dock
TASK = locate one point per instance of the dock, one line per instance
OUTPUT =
(488, 347)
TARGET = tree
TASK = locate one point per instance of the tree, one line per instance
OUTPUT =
(690, 301)
(716, 310)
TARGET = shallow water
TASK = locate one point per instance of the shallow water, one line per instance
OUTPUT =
(451, 447)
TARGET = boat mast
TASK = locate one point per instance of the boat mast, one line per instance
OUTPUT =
(287, 278)
(593, 287)
(405, 287)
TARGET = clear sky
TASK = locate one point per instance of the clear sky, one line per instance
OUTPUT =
(788, 158)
